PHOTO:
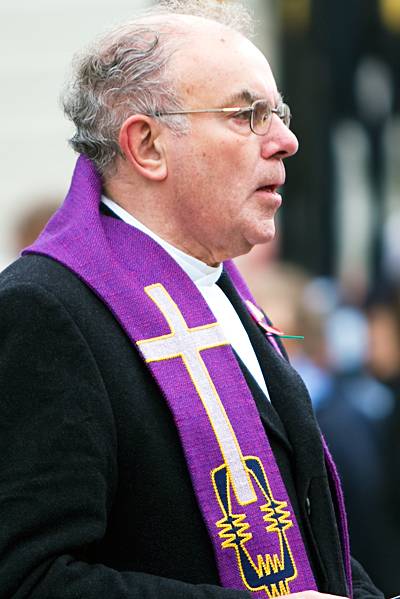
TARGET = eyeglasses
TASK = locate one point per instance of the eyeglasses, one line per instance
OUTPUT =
(258, 114)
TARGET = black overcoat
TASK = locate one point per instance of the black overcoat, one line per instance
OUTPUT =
(95, 495)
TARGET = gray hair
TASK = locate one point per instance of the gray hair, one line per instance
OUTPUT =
(125, 72)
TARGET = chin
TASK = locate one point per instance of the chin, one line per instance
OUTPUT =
(248, 239)
(263, 235)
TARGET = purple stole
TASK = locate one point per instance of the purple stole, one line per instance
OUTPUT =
(243, 500)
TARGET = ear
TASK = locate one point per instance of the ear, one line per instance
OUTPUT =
(140, 140)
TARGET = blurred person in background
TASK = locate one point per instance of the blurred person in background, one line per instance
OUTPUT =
(28, 227)
(354, 419)
(383, 310)
(154, 440)
(32, 223)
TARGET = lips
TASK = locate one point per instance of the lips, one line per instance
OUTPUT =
(272, 184)
(271, 195)
(272, 190)
(269, 188)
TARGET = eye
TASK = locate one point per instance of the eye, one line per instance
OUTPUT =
(241, 115)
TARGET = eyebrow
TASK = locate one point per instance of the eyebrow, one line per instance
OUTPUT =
(247, 96)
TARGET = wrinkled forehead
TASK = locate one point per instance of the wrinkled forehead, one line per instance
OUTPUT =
(214, 62)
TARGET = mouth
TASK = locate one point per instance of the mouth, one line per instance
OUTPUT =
(270, 193)
(268, 188)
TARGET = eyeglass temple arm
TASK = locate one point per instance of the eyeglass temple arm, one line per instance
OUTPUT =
(204, 110)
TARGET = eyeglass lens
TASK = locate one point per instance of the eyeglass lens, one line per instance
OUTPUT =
(261, 116)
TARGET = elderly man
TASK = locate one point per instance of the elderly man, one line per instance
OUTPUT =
(154, 440)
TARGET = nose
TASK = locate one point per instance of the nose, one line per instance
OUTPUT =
(279, 141)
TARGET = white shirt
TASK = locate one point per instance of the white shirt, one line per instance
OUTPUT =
(205, 278)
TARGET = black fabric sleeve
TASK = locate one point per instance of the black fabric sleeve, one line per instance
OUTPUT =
(363, 587)
(58, 470)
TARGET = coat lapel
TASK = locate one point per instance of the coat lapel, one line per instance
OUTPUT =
(289, 416)
(269, 416)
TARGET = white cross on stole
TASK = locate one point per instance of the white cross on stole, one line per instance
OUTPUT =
(187, 343)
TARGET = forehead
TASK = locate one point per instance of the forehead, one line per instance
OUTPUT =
(218, 65)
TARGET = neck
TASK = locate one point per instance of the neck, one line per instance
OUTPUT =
(149, 204)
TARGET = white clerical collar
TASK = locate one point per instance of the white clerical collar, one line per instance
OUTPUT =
(205, 277)
(202, 274)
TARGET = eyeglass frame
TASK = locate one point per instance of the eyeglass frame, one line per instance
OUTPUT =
(278, 110)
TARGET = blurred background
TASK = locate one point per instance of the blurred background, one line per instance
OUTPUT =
(333, 272)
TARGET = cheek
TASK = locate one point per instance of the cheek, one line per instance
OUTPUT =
(216, 173)
(228, 169)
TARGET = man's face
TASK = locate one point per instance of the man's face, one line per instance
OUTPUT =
(222, 176)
